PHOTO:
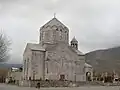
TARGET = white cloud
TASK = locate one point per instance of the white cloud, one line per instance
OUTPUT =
(95, 23)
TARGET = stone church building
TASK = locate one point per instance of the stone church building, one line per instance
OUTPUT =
(54, 58)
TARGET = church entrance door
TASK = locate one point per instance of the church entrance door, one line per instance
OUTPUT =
(62, 77)
(88, 76)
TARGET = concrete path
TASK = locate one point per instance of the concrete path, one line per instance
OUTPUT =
(12, 87)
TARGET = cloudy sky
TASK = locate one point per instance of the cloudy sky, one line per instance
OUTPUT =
(95, 23)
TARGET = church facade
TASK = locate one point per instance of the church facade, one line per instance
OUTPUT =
(53, 58)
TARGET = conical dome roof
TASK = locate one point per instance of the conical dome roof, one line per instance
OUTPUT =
(74, 40)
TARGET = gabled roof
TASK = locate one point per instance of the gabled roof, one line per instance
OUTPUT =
(79, 52)
(76, 51)
(54, 21)
(33, 46)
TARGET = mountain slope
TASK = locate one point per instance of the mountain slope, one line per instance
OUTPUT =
(6, 65)
(105, 60)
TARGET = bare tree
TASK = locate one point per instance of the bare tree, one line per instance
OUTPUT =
(4, 47)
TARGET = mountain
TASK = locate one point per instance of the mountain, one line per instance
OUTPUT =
(105, 60)
(7, 65)
(101, 60)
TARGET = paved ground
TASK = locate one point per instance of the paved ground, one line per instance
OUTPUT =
(10, 87)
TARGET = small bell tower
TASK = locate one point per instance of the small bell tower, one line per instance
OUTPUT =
(74, 43)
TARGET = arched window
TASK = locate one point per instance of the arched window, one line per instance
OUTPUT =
(67, 36)
(76, 45)
(60, 34)
(24, 66)
(43, 35)
(47, 67)
(27, 66)
(29, 78)
(61, 30)
(40, 36)
(56, 29)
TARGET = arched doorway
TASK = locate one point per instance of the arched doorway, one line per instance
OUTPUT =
(62, 77)
(88, 76)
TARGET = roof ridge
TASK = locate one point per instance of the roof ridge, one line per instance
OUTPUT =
(53, 20)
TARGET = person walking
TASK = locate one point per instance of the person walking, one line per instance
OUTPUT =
(38, 86)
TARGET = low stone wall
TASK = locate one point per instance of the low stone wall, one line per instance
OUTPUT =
(50, 83)
(64, 83)
(25, 83)
(112, 84)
